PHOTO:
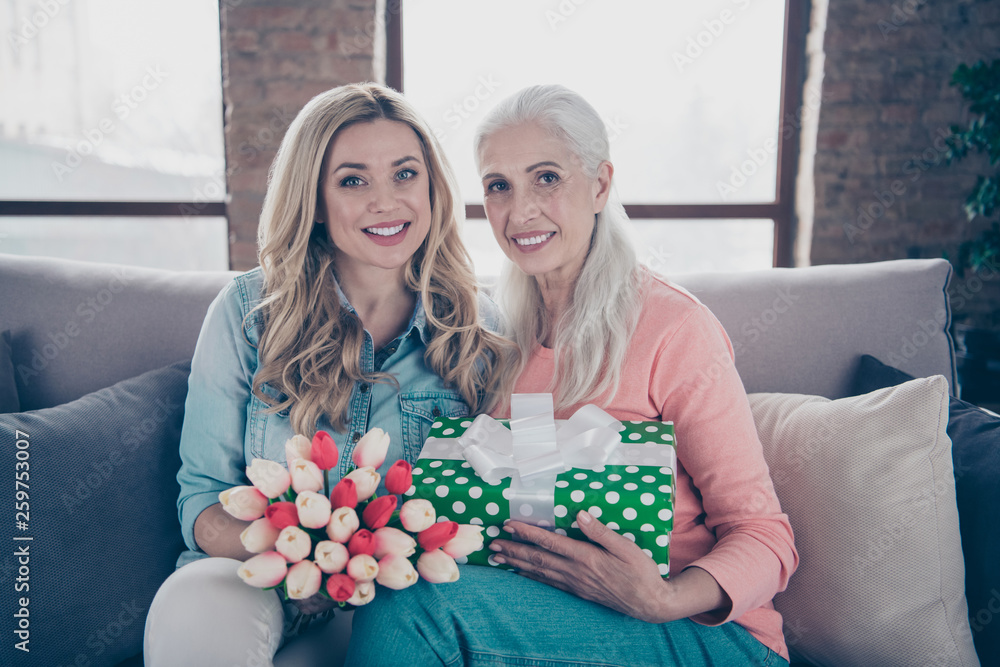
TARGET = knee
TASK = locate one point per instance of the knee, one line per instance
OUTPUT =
(205, 609)
(207, 585)
(393, 609)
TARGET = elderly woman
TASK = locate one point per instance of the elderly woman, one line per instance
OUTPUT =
(593, 326)
(362, 313)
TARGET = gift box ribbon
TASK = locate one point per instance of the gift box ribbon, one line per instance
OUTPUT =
(534, 451)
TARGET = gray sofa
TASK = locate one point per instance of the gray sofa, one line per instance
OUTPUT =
(93, 348)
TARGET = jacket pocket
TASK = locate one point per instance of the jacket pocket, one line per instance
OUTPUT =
(420, 409)
(261, 425)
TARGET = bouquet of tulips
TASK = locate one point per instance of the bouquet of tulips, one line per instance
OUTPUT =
(310, 539)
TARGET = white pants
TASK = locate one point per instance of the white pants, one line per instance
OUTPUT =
(204, 614)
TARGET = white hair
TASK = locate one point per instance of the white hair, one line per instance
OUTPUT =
(606, 299)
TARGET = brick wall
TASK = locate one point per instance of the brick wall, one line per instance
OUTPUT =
(275, 57)
(883, 189)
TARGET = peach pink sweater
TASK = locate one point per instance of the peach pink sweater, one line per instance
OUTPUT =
(727, 519)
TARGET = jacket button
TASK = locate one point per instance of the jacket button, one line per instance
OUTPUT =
(355, 437)
(364, 387)
(436, 412)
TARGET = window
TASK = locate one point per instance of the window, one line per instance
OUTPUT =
(693, 96)
(111, 141)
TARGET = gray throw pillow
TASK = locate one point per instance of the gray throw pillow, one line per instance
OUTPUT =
(9, 401)
(95, 531)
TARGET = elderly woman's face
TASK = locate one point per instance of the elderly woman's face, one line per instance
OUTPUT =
(539, 201)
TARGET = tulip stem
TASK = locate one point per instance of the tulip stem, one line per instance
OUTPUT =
(326, 482)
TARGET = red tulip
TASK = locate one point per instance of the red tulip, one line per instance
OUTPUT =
(399, 479)
(361, 542)
(345, 494)
(437, 535)
(340, 587)
(379, 511)
(282, 514)
(324, 451)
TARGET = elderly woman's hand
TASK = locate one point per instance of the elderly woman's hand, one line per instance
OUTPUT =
(610, 570)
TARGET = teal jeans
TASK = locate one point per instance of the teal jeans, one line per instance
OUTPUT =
(494, 617)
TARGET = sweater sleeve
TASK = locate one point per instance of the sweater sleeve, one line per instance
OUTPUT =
(695, 384)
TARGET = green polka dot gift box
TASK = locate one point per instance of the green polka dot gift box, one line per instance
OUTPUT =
(632, 491)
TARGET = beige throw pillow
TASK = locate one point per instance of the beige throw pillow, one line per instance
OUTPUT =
(868, 486)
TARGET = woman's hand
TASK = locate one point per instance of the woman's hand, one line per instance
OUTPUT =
(611, 571)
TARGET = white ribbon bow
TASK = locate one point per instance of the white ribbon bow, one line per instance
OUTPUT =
(534, 448)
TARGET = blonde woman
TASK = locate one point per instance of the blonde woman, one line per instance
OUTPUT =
(593, 326)
(363, 313)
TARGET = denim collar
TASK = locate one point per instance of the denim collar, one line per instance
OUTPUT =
(418, 320)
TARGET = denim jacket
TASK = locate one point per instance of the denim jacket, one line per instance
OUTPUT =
(226, 426)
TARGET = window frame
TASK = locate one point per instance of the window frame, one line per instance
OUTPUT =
(781, 209)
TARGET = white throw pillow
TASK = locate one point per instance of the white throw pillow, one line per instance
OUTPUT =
(868, 486)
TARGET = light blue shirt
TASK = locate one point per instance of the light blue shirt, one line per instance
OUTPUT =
(226, 426)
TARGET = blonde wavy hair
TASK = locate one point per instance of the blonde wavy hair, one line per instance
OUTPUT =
(311, 345)
(594, 334)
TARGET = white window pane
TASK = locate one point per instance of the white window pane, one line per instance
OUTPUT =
(111, 100)
(689, 90)
(183, 244)
(669, 247)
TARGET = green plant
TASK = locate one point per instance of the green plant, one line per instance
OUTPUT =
(980, 86)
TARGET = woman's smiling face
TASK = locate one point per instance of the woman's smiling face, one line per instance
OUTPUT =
(375, 195)
(539, 201)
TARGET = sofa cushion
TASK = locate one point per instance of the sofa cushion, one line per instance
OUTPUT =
(801, 330)
(80, 326)
(975, 454)
(868, 486)
(8, 387)
(102, 518)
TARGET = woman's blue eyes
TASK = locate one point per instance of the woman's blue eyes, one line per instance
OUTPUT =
(355, 181)
(546, 178)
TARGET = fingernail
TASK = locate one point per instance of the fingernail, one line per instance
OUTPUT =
(584, 517)
(494, 546)
(509, 529)
(499, 559)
